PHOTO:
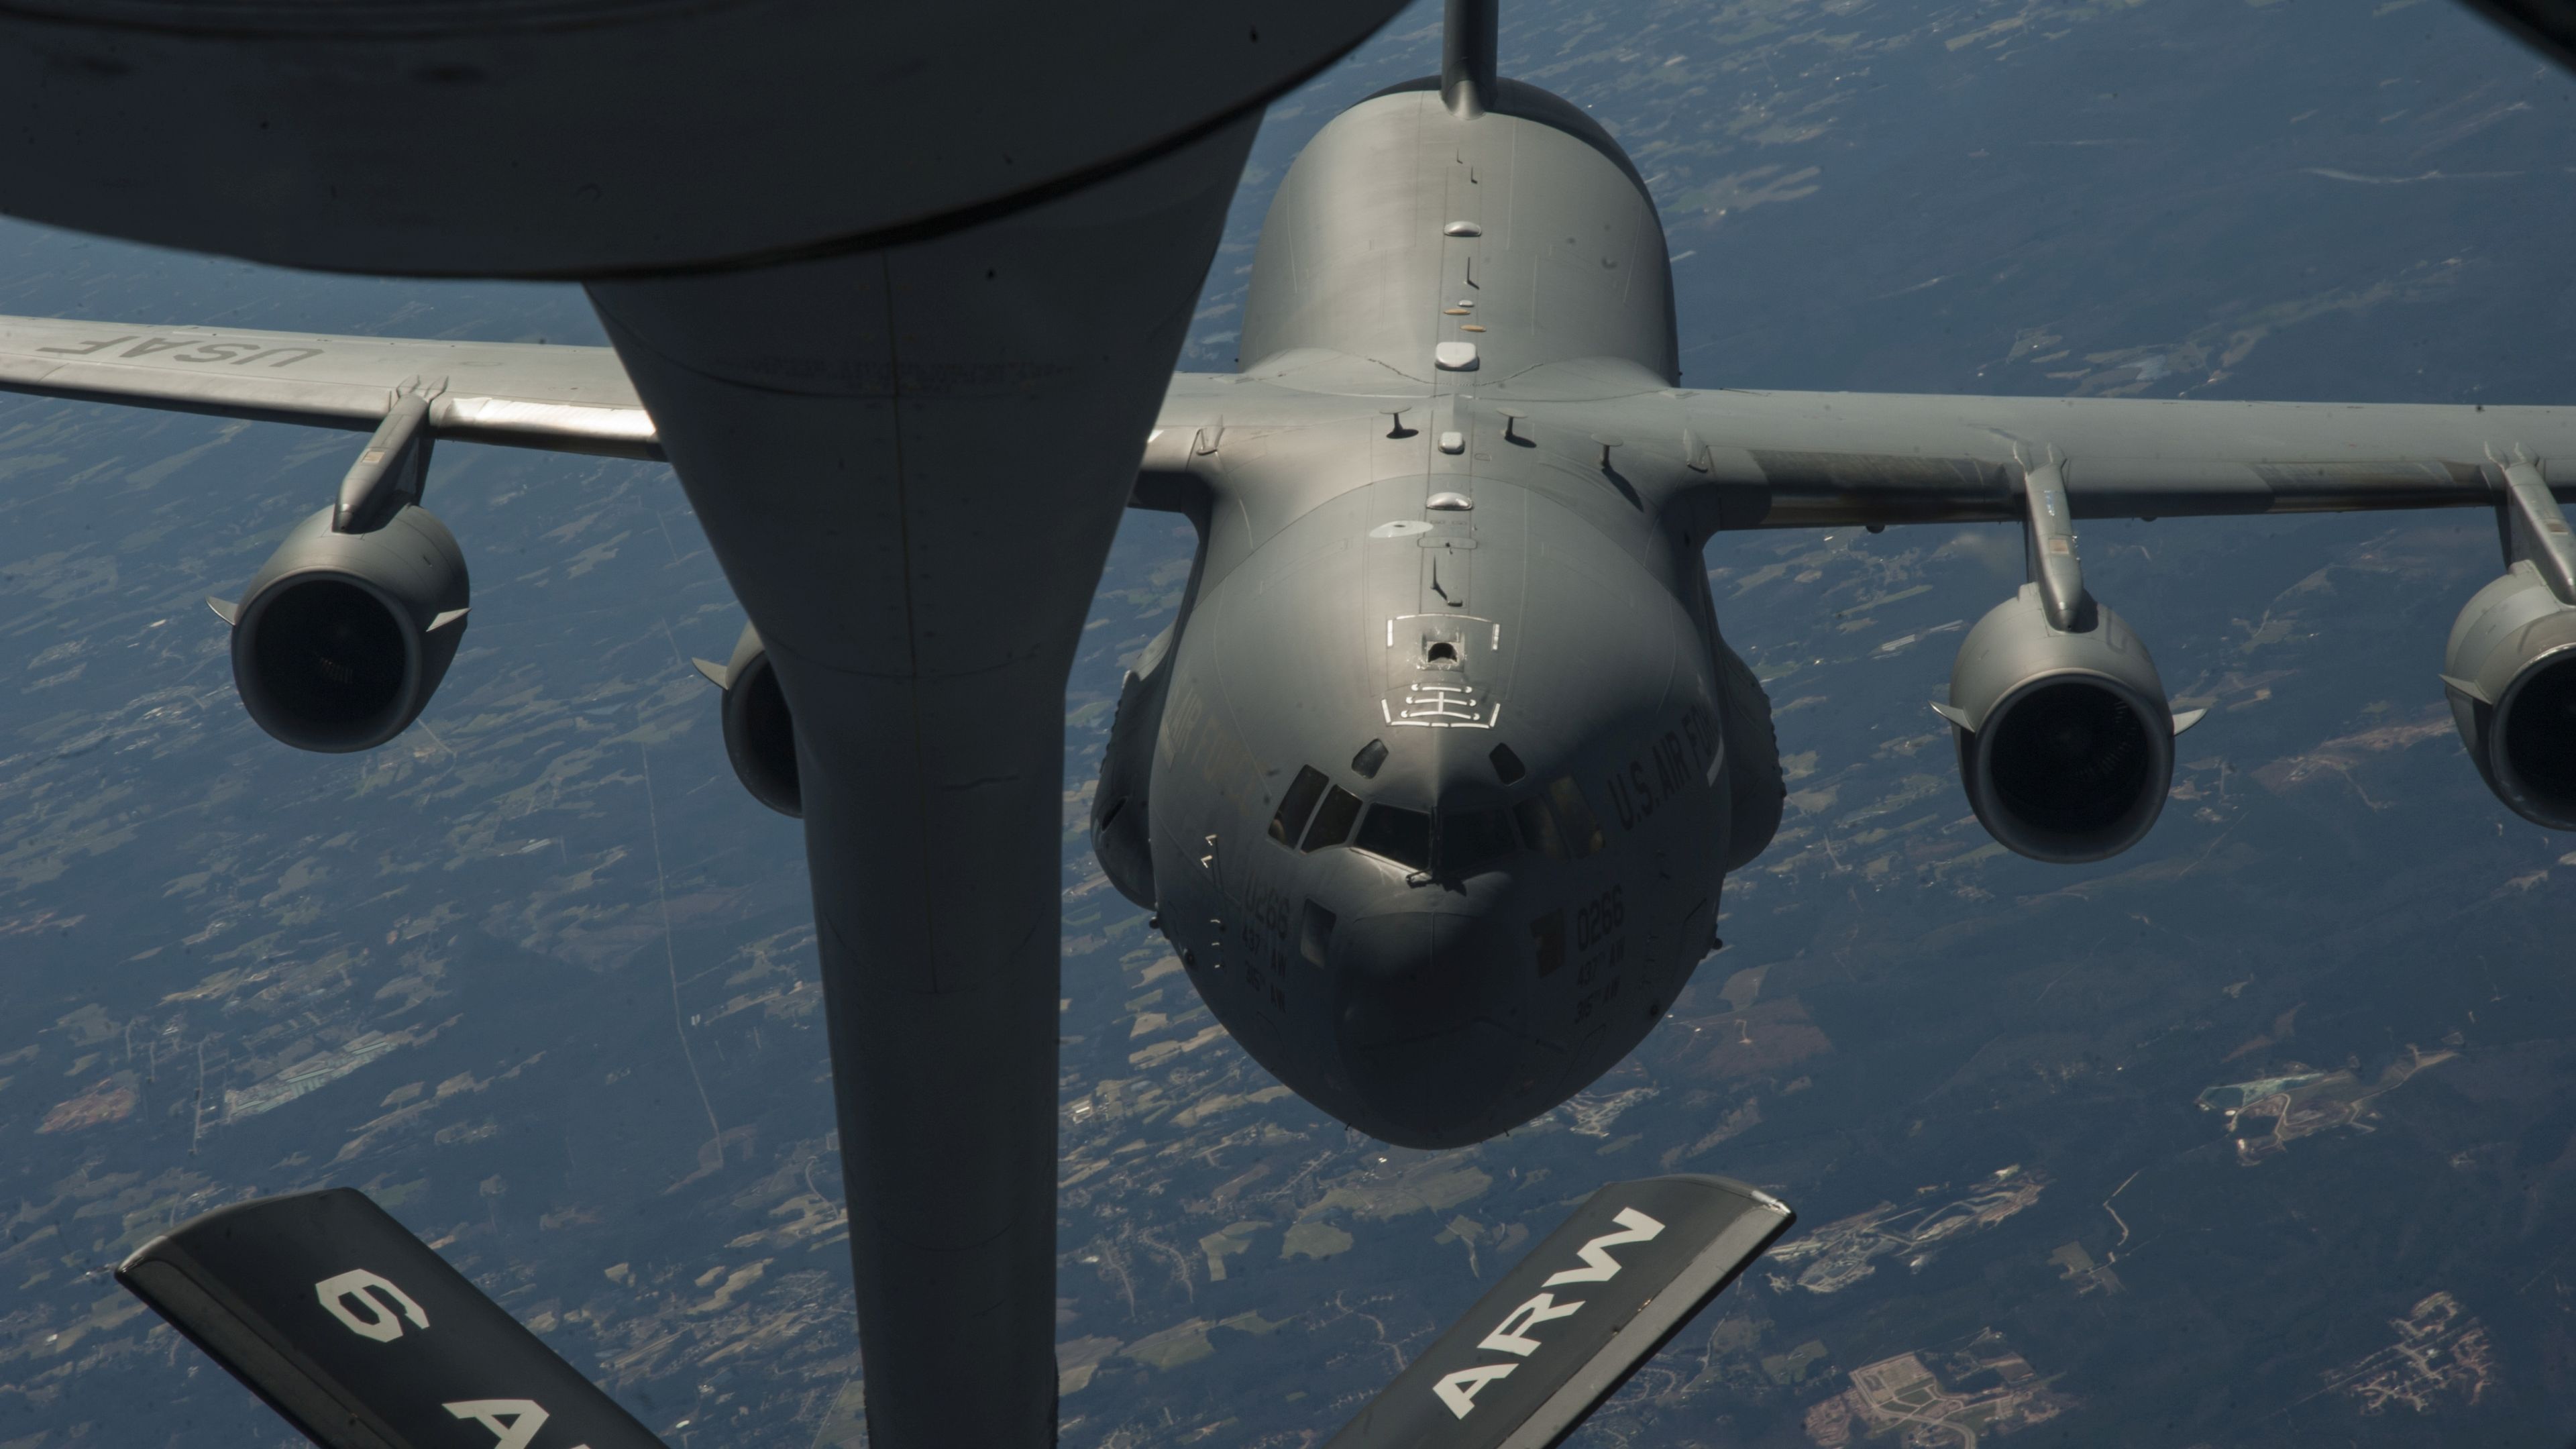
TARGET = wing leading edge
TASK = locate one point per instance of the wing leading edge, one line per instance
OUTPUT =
(563, 399)
(1831, 459)
(1824, 460)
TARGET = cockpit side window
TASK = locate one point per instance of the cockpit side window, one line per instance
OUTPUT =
(1371, 755)
(1402, 836)
(1297, 805)
(1464, 840)
(1333, 820)
(1574, 818)
(1538, 827)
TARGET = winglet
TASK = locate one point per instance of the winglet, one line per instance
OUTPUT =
(716, 674)
(360, 1335)
(1566, 1326)
(229, 613)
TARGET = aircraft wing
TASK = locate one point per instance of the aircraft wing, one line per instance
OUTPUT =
(362, 1337)
(1820, 460)
(2548, 24)
(566, 399)
(1564, 1329)
(1800, 460)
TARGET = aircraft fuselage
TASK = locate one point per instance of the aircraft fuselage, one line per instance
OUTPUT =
(1444, 761)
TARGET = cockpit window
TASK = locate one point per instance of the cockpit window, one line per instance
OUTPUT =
(1371, 755)
(1297, 804)
(1574, 818)
(1466, 840)
(1402, 836)
(1538, 827)
(1332, 822)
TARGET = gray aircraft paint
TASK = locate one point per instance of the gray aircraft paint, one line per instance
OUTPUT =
(1458, 428)
(577, 138)
(908, 456)
(834, 372)
(1359, 583)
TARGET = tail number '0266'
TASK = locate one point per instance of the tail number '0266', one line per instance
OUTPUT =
(1599, 919)
(370, 1306)
(1511, 1336)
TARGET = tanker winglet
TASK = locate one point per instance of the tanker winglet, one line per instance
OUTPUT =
(1586, 1308)
(364, 1338)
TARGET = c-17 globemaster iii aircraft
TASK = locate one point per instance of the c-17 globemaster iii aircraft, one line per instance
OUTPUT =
(1436, 780)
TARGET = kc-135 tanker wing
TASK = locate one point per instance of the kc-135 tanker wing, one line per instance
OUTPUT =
(1563, 1330)
(364, 1338)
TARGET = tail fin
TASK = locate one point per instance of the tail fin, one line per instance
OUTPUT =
(1467, 56)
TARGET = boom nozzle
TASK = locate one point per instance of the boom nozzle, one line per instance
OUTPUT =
(1467, 56)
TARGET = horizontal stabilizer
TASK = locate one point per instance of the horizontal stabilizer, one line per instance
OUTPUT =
(1581, 1313)
(362, 1337)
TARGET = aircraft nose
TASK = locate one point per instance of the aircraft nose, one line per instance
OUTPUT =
(1425, 998)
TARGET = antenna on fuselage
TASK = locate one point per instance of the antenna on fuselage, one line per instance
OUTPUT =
(1467, 56)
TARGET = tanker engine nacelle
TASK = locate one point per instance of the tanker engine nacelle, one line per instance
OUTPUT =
(343, 635)
(759, 736)
(2510, 670)
(2065, 739)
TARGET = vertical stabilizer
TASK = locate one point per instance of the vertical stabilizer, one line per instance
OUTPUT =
(1467, 51)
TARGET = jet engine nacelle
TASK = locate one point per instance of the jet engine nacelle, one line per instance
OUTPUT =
(1122, 837)
(341, 638)
(759, 736)
(2065, 740)
(2510, 670)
